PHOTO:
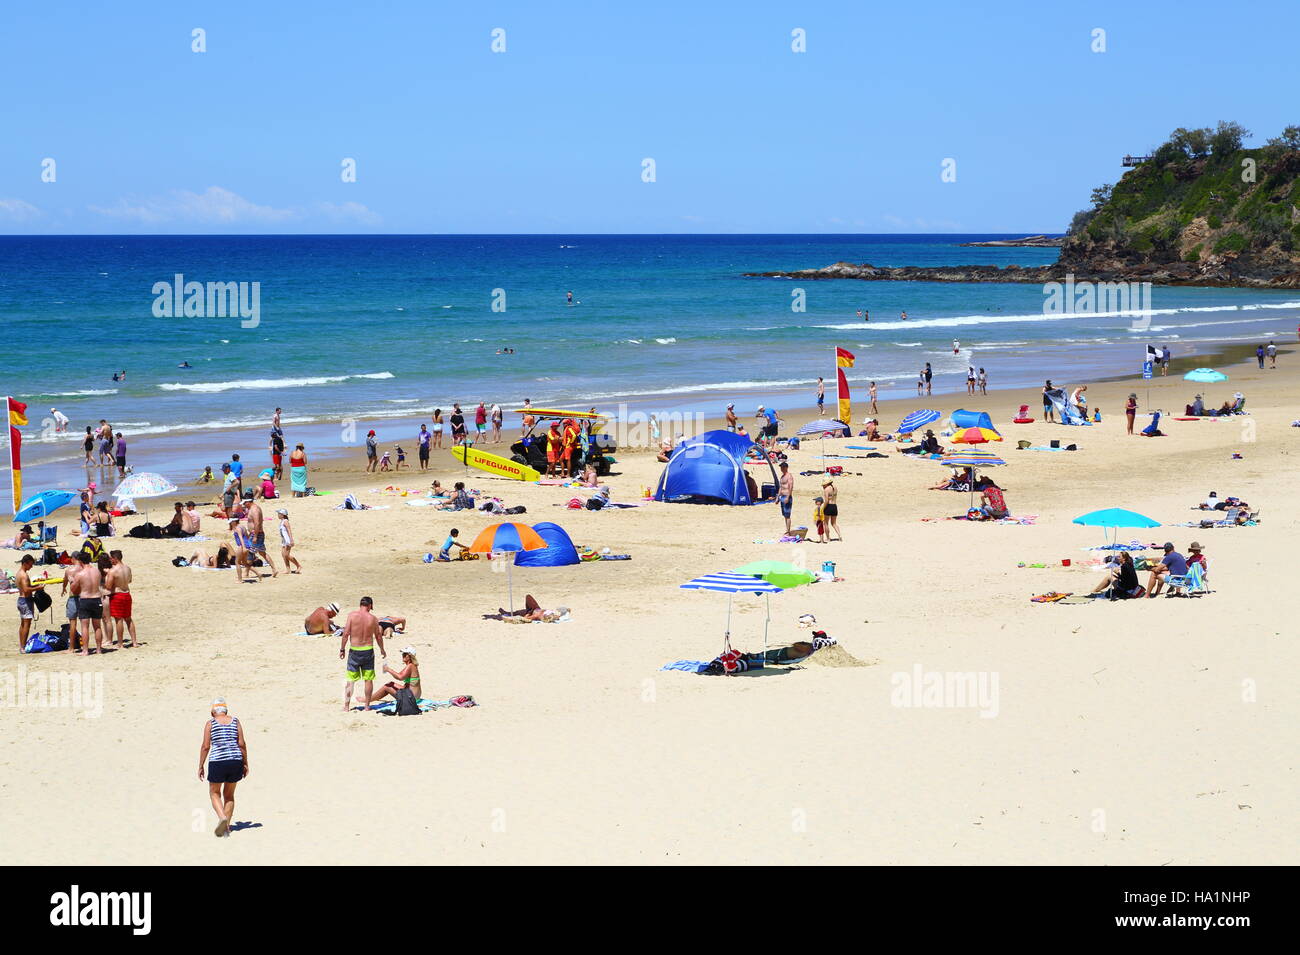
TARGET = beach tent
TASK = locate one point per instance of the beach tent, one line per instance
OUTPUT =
(710, 469)
(558, 552)
(970, 419)
(1066, 412)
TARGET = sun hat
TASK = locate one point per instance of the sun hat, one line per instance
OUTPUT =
(409, 651)
(731, 404)
(332, 608)
(1194, 546)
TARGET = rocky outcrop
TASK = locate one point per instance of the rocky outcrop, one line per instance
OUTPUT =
(1028, 242)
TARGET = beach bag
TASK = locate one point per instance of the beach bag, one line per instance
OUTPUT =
(47, 642)
(517, 509)
(405, 703)
(595, 504)
(146, 530)
(41, 600)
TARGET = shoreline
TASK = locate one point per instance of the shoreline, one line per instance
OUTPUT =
(187, 452)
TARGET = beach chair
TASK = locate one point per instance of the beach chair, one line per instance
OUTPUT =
(1188, 584)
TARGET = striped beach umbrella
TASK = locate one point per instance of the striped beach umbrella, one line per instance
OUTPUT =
(918, 419)
(972, 461)
(823, 427)
(732, 583)
(508, 537)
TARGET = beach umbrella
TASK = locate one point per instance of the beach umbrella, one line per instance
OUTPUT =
(1208, 375)
(780, 573)
(42, 504)
(731, 584)
(1113, 518)
(144, 484)
(975, 436)
(918, 419)
(971, 460)
(507, 537)
(822, 428)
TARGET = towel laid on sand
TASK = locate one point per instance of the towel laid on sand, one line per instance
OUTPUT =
(388, 706)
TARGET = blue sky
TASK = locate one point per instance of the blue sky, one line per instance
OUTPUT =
(549, 136)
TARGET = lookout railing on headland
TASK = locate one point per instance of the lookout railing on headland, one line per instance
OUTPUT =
(1135, 160)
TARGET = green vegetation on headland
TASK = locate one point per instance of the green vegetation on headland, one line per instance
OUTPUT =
(1200, 210)
(1203, 205)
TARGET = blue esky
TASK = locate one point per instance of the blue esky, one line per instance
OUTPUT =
(747, 136)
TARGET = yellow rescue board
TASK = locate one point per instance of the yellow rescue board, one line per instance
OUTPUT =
(494, 464)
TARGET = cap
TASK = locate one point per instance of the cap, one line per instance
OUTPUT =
(370, 433)
(1169, 545)
(1194, 546)
(332, 608)
(731, 404)
(410, 651)
(282, 512)
(760, 408)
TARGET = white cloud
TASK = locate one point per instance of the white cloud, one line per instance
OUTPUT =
(15, 210)
(215, 206)
(347, 212)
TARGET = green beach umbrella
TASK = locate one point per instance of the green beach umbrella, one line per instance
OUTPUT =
(778, 573)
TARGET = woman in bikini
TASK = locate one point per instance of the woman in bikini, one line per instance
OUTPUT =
(103, 525)
(437, 427)
(407, 677)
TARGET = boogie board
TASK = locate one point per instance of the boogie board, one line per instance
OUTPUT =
(560, 413)
(494, 464)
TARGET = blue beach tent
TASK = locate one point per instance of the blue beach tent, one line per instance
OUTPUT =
(971, 419)
(710, 469)
(558, 552)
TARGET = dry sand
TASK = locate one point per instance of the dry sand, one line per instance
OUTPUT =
(1148, 732)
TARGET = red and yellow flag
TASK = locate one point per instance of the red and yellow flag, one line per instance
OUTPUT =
(17, 417)
(843, 359)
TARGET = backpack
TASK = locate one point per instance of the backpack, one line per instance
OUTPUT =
(405, 703)
(41, 600)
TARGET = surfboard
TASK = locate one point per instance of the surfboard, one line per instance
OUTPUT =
(494, 464)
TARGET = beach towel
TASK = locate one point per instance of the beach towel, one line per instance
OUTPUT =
(390, 706)
(1048, 598)
(298, 479)
(686, 666)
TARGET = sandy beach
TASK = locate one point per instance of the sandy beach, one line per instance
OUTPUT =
(1153, 732)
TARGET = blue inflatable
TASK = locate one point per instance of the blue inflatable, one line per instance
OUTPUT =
(710, 469)
(558, 552)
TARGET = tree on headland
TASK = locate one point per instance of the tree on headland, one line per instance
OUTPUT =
(1290, 138)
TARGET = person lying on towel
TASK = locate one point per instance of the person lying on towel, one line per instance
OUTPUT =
(531, 611)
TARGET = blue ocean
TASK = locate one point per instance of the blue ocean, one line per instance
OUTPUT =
(390, 327)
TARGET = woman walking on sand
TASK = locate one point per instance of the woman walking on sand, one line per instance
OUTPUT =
(1131, 410)
(224, 754)
(437, 427)
(298, 471)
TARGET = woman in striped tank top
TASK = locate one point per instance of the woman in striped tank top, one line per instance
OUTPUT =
(225, 756)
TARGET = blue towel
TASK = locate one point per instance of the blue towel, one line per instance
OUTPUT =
(686, 666)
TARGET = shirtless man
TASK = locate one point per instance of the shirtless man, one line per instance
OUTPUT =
(392, 622)
(257, 532)
(118, 581)
(26, 604)
(90, 602)
(357, 646)
(732, 421)
(785, 494)
(321, 620)
(190, 519)
(70, 591)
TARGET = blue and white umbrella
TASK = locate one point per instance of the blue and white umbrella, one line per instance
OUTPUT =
(1207, 375)
(42, 504)
(732, 584)
(823, 426)
(918, 419)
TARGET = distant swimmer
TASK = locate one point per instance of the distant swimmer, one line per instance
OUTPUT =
(956, 347)
(568, 297)
(866, 315)
(184, 364)
(905, 316)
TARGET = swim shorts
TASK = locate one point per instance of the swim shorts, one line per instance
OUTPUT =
(26, 611)
(225, 770)
(260, 543)
(832, 510)
(119, 606)
(361, 664)
(786, 507)
(90, 608)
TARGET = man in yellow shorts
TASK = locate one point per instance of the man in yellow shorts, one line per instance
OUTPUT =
(360, 634)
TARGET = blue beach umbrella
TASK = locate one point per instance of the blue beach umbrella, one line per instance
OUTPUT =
(918, 419)
(42, 504)
(1208, 375)
(1113, 518)
(732, 584)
